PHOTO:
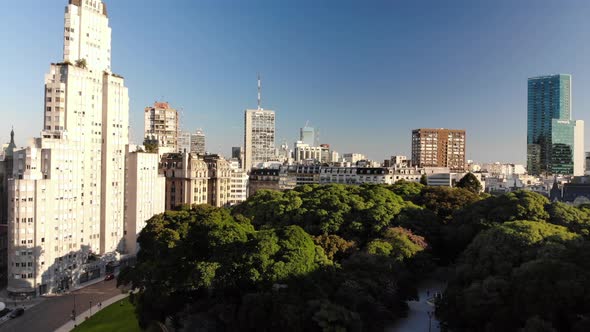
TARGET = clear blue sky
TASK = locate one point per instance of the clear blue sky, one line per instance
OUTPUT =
(364, 72)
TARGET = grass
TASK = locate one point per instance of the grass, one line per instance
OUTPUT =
(114, 318)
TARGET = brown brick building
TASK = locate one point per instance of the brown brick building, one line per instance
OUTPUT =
(439, 148)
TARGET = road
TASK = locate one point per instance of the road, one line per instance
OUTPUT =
(417, 320)
(53, 312)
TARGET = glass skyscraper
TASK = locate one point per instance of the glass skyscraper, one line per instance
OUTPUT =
(550, 133)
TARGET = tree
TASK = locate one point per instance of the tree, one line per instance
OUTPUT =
(407, 190)
(515, 271)
(81, 63)
(256, 268)
(424, 180)
(150, 147)
(470, 182)
(335, 247)
(445, 201)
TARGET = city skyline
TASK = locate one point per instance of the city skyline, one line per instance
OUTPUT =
(401, 80)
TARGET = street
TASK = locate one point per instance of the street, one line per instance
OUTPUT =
(418, 318)
(53, 312)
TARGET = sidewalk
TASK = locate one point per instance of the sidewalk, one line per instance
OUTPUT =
(67, 327)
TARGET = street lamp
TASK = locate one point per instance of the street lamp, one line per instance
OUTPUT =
(90, 308)
(74, 310)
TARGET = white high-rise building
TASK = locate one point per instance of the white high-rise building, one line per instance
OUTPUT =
(192, 142)
(67, 198)
(198, 142)
(259, 135)
(161, 126)
(579, 153)
(238, 184)
(184, 141)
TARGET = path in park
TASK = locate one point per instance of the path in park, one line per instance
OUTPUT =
(417, 320)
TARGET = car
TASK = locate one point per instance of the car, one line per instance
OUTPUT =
(109, 276)
(17, 312)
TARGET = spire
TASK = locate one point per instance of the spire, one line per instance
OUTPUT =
(11, 146)
(259, 93)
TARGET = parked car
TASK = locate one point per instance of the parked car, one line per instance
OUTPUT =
(109, 276)
(17, 312)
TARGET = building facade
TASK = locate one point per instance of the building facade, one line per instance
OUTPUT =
(6, 163)
(144, 193)
(551, 132)
(305, 152)
(191, 142)
(198, 142)
(238, 184)
(66, 211)
(186, 179)
(439, 148)
(263, 179)
(197, 179)
(161, 125)
(353, 158)
(218, 185)
(184, 141)
(259, 137)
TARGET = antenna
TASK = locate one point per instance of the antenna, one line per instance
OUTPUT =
(259, 92)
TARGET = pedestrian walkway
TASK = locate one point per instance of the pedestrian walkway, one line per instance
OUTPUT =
(67, 327)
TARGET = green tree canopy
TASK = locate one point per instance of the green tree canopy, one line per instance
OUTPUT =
(470, 182)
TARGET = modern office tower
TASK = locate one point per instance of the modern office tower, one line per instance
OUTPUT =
(551, 132)
(439, 148)
(66, 198)
(308, 135)
(191, 142)
(198, 142)
(184, 141)
(161, 125)
(259, 135)
(144, 193)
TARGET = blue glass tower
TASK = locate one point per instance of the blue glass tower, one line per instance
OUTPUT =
(550, 132)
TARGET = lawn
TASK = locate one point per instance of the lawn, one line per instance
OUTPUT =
(114, 318)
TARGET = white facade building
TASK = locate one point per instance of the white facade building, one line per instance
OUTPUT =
(184, 141)
(304, 151)
(579, 153)
(67, 199)
(259, 137)
(353, 157)
(145, 192)
(161, 126)
(238, 184)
